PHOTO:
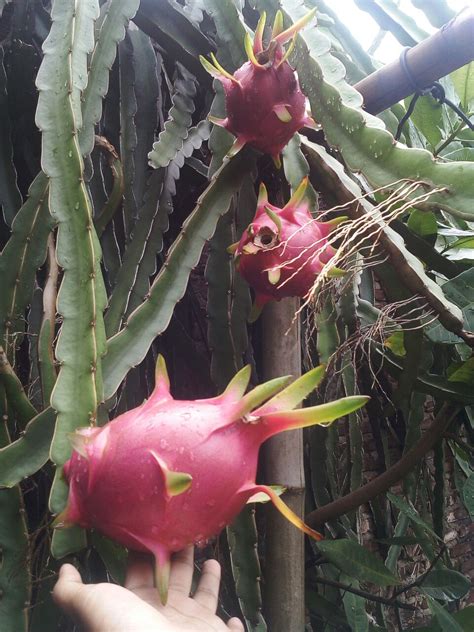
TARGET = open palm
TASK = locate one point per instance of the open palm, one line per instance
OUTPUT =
(137, 607)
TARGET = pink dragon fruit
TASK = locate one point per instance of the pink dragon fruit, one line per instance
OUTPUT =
(264, 102)
(171, 473)
(283, 249)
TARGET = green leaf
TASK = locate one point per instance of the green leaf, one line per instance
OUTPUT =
(423, 223)
(396, 343)
(356, 561)
(446, 584)
(463, 80)
(354, 606)
(129, 346)
(468, 494)
(411, 512)
(459, 290)
(463, 373)
(400, 540)
(428, 118)
(442, 616)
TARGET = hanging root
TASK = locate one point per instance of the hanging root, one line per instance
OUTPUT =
(407, 315)
(364, 235)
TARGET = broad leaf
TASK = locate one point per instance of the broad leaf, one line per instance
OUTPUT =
(356, 561)
(446, 584)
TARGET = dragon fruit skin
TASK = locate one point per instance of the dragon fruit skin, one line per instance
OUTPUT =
(284, 249)
(171, 473)
(264, 102)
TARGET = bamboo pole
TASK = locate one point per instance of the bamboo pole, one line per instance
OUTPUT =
(283, 458)
(446, 50)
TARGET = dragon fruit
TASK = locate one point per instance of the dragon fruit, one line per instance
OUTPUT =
(264, 102)
(171, 473)
(283, 250)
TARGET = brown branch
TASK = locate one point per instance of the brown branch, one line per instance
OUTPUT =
(419, 580)
(362, 593)
(394, 474)
(115, 197)
(448, 49)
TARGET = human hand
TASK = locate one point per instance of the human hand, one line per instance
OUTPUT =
(137, 607)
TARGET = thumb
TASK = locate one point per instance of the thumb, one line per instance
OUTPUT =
(68, 588)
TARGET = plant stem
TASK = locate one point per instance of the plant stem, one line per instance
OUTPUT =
(383, 482)
(450, 138)
(362, 593)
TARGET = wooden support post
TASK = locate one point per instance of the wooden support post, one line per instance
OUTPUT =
(283, 459)
(446, 50)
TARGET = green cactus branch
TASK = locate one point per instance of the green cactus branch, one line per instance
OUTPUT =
(24, 252)
(147, 87)
(16, 396)
(15, 578)
(329, 171)
(114, 17)
(30, 452)
(10, 196)
(130, 345)
(171, 139)
(128, 132)
(81, 298)
(365, 145)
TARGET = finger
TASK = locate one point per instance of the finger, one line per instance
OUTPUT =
(67, 588)
(235, 625)
(182, 568)
(139, 571)
(207, 592)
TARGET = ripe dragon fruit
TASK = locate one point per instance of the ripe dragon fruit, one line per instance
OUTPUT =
(171, 473)
(264, 102)
(284, 249)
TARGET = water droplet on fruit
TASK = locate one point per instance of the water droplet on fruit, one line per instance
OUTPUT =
(211, 503)
(164, 444)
